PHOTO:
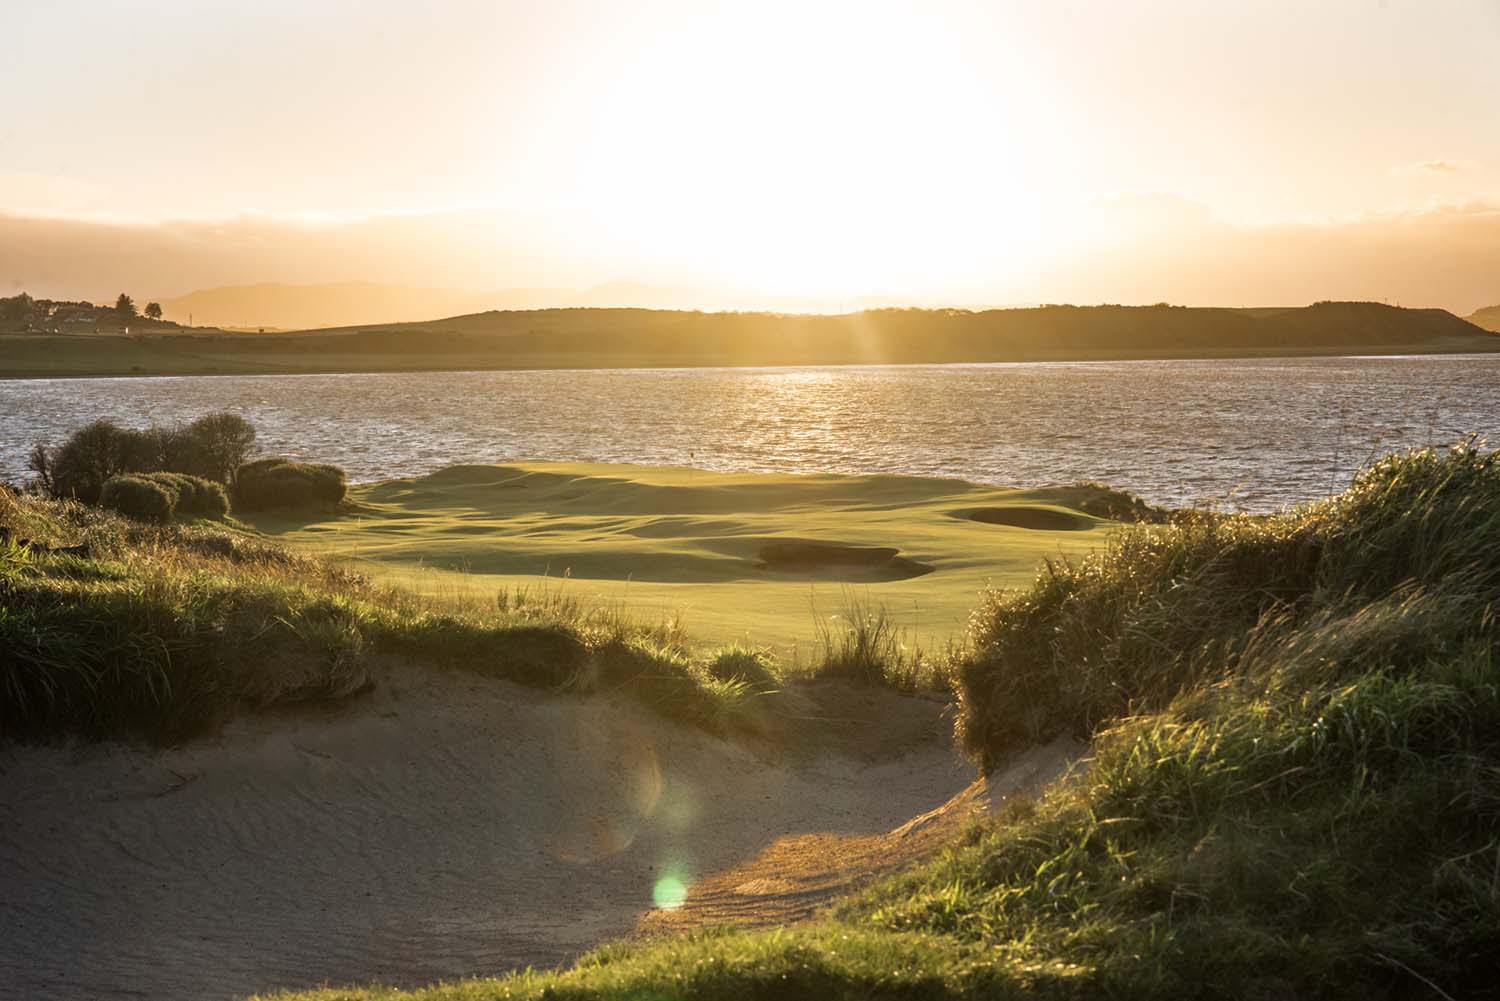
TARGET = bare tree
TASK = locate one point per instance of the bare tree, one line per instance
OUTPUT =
(39, 461)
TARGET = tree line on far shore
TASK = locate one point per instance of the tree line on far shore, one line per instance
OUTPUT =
(21, 312)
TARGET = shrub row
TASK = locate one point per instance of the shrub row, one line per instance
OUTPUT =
(210, 447)
(160, 497)
(279, 482)
(179, 470)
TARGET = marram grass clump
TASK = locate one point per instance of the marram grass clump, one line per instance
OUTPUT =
(1163, 608)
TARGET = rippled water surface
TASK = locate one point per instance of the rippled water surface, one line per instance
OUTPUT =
(1246, 433)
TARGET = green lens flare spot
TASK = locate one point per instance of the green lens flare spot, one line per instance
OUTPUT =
(669, 893)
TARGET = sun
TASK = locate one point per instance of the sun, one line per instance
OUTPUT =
(816, 153)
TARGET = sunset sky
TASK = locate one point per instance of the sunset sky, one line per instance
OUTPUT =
(760, 154)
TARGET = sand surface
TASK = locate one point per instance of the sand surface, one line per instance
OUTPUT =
(444, 826)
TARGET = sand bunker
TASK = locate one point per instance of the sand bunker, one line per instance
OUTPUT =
(801, 874)
(829, 561)
(1037, 519)
(445, 826)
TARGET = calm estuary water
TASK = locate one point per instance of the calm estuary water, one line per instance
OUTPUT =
(1250, 434)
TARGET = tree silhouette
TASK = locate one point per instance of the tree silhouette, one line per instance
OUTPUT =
(125, 307)
(153, 311)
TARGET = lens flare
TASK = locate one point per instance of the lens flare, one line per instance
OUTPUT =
(669, 893)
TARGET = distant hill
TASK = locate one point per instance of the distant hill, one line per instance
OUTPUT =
(626, 336)
(1488, 318)
(622, 338)
(274, 306)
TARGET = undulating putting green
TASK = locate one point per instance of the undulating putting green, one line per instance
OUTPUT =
(760, 558)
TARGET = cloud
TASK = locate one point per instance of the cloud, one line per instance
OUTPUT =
(51, 192)
(70, 258)
(1150, 248)
(1446, 256)
(1442, 166)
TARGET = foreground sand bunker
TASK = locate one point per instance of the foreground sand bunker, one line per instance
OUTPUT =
(445, 826)
(798, 875)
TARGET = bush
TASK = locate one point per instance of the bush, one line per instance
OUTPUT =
(279, 482)
(210, 448)
(160, 497)
(139, 498)
(91, 455)
(193, 494)
(216, 445)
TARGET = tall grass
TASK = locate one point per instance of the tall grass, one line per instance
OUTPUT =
(863, 643)
(1126, 629)
(114, 628)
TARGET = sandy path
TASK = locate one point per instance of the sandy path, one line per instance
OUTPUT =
(446, 826)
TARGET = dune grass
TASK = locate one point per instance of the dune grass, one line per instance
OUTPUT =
(113, 628)
(745, 558)
(1294, 789)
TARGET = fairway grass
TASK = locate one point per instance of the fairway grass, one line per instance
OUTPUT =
(756, 558)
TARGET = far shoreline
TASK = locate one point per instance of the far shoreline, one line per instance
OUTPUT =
(1060, 358)
(603, 339)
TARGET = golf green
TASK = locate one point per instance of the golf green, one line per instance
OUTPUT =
(751, 557)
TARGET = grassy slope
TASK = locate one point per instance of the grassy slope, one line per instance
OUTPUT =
(111, 628)
(613, 338)
(1295, 790)
(668, 541)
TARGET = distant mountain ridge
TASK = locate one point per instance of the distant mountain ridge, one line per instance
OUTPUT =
(1488, 318)
(283, 306)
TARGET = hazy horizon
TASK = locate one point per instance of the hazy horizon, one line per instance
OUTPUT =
(785, 157)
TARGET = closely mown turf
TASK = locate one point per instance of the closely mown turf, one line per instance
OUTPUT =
(763, 558)
(1294, 789)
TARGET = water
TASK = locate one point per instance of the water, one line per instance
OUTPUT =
(1251, 434)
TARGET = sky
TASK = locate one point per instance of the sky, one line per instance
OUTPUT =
(760, 154)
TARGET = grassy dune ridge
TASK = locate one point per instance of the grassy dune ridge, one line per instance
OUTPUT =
(112, 628)
(1294, 788)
